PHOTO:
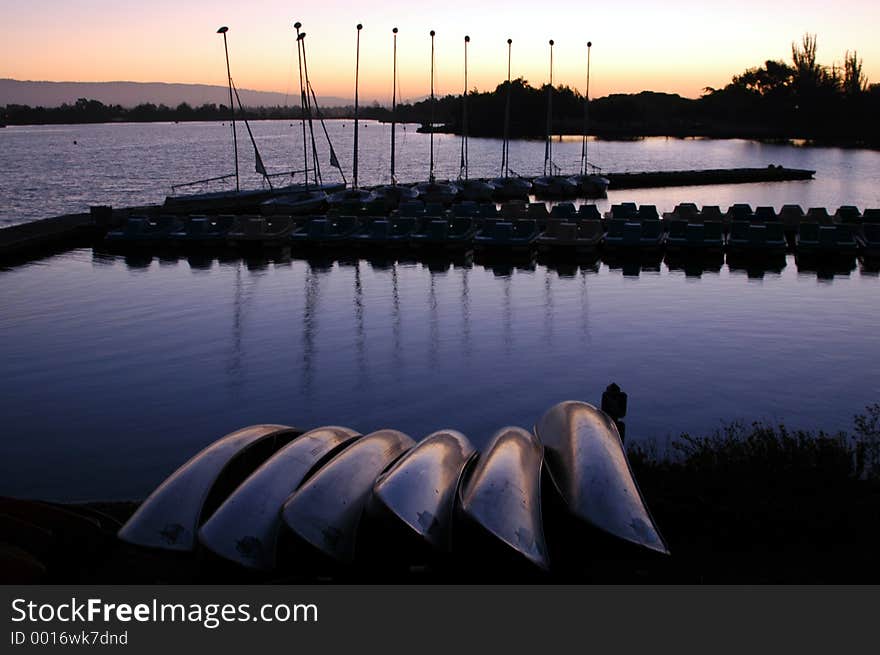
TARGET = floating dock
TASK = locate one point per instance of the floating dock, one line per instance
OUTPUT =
(654, 179)
(69, 230)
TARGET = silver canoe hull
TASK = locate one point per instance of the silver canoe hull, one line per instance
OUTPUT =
(245, 528)
(420, 488)
(169, 519)
(587, 463)
(326, 510)
(503, 493)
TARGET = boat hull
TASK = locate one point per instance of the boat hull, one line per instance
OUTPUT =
(325, 512)
(170, 517)
(587, 464)
(420, 488)
(501, 498)
(245, 528)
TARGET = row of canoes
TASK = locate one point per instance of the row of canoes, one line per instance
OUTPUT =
(523, 227)
(269, 497)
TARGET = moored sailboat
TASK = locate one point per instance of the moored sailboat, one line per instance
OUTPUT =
(551, 185)
(394, 194)
(433, 190)
(590, 184)
(478, 190)
(354, 194)
(507, 187)
(310, 196)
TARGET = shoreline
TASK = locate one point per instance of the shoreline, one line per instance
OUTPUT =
(746, 505)
(598, 133)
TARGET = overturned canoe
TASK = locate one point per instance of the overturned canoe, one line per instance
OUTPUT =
(420, 488)
(326, 510)
(169, 519)
(588, 466)
(502, 494)
(245, 528)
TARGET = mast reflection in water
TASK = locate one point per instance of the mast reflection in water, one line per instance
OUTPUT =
(116, 369)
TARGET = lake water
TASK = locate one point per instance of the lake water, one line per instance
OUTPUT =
(116, 369)
(51, 170)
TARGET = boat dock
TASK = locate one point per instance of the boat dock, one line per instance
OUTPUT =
(70, 230)
(654, 179)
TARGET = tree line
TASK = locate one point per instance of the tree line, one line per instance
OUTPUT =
(784, 100)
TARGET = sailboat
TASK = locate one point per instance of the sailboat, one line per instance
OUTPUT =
(393, 193)
(478, 190)
(432, 190)
(233, 200)
(310, 196)
(550, 185)
(354, 194)
(591, 185)
(507, 187)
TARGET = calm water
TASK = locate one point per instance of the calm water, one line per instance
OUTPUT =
(116, 370)
(44, 173)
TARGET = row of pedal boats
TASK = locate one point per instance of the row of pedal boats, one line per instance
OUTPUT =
(525, 226)
(270, 497)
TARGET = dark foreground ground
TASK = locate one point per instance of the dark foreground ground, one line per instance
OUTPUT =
(749, 504)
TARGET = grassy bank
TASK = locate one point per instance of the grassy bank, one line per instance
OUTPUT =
(748, 504)
(761, 503)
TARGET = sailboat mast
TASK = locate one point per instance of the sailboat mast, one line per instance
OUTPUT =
(548, 151)
(464, 120)
(223, 30)
(585, 162)
(431, 127)
(302, 99)
(505, 144)
(394, 106)
(356, 115)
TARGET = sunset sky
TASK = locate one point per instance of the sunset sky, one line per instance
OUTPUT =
(678, 46)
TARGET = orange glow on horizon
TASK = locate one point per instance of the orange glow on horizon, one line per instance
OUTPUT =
(679, 48)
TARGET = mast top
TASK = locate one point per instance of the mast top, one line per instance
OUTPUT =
(589, 44)
(467, 39)
(359, 26)
(223, 30)
(509, 41)
(433, 32)
(551, 42)
(394, 30)
(297, 24)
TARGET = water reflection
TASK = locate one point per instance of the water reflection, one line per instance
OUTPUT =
(756, 265)
(415, 344)
(633, 264)
(360, 334)
(310, 320)
(827, 267)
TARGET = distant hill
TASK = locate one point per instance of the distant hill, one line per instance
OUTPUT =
(130, 94)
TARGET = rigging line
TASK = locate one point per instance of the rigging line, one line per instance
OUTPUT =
(394, 107)
(334, 161)
(548, 147)
(505, 144)
(463, 167)
(302, 100)
(223, 31)
(315, 161)
(258, 160)
(584, 161)
(357, 66)
(431, 176)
